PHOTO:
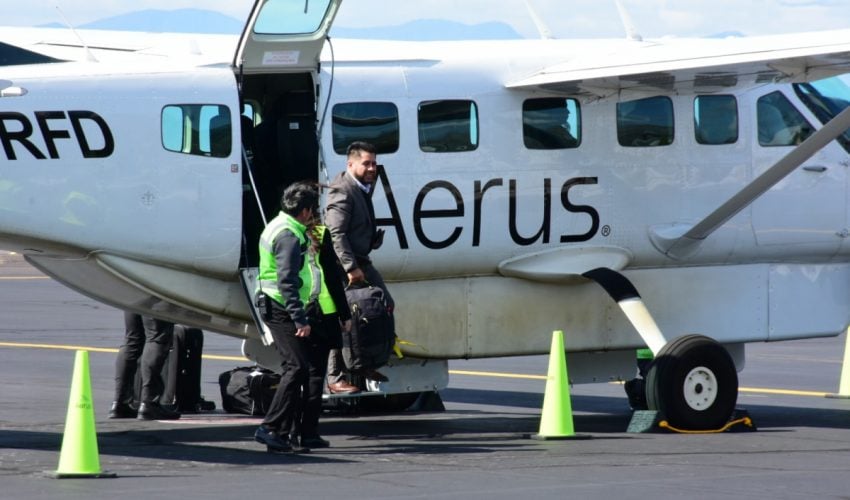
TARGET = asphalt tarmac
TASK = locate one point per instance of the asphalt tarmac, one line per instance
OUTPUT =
(477, 448)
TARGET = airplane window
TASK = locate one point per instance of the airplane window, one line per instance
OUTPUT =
(826, 98)
(645, 122)
(448, 126)
(779, 122)
(288, 17)
(551, 123)
(716, 119)
(197, 129)
(375, 122)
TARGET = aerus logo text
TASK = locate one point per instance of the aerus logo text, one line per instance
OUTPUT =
(457, 209)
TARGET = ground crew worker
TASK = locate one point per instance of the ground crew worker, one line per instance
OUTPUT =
(291, 283)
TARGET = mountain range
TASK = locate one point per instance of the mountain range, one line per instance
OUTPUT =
(211, 22)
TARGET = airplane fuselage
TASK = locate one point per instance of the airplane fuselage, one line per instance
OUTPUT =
(482, 244)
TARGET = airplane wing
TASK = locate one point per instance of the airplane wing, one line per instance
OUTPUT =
(118, 46)
(696, 65)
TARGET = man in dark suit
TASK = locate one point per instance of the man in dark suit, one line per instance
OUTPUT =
(149, 340)
(350, 217)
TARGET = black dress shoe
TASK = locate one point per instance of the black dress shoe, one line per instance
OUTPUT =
(314, 442)
(297, 445)
(204, 405)
(122, 410)
(155, 411)
(273, 442)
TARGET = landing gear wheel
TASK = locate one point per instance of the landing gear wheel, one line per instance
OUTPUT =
(693, 383)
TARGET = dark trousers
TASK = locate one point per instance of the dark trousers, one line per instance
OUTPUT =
(149, 339)
(317, 357)
(285, 405)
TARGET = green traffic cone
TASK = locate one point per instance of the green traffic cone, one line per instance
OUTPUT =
(79, 455)
(556, 422)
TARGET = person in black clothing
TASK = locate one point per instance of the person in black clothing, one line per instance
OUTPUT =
(351, 221)
(326, 335)
(303, 319)
(150, 339)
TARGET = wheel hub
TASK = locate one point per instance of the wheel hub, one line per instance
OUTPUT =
(700, 388)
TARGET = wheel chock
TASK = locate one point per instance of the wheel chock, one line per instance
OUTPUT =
(653, 421)
(645, 421)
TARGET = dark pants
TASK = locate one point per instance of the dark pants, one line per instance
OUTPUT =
(317, 357)
(310, 408)
(149, 339)
(285, 405)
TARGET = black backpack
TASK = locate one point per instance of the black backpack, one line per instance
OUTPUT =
(369, 343)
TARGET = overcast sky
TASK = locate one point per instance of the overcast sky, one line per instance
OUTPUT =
(565, 18)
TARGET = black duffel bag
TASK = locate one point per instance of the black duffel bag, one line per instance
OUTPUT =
(248, 389)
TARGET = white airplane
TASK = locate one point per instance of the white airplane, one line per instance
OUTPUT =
(702, 183)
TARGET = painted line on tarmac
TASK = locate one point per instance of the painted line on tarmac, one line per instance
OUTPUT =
(784, 392)
(105, 349)
(751, 390)
(58, 346)
(498, 374)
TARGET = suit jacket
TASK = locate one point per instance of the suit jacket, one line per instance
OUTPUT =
(351, 221)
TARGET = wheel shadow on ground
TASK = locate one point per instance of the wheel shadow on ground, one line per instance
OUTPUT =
(605, 414)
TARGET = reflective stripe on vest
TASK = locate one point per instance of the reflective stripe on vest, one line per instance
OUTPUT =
(311, 274)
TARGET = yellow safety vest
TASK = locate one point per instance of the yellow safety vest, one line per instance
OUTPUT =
(311, 274)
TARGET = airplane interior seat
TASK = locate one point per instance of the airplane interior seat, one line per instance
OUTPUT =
(717, 133)
(639, 136)
(299, 103)
(298, 147)
(556, 137)
(772, 129)
(247, 134)
(220, 136)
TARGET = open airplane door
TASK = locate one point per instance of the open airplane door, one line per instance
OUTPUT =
(285, 35)
(280, 37)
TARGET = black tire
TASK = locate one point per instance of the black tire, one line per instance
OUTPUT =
(693, 383)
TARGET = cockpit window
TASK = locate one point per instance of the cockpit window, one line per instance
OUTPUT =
(826, 98)
(779, 122)
(288, 17)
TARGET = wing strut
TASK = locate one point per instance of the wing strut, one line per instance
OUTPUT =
(682, 246)
(627, 297)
